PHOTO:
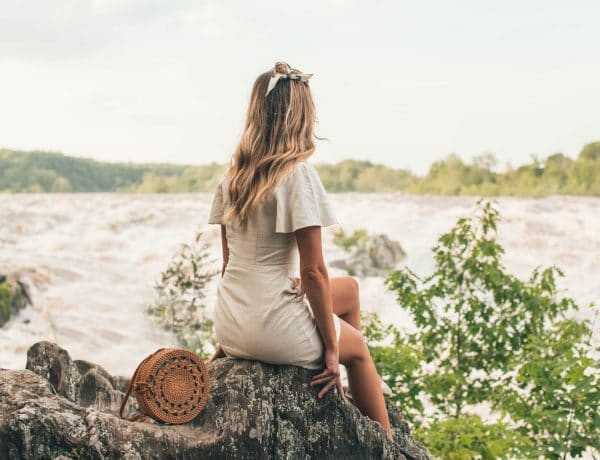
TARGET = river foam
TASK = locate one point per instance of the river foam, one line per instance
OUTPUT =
(92, 259)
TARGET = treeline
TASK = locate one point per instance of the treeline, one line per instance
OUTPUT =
(53, 172)
(555, 174)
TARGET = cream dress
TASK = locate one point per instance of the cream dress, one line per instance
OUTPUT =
(261, 311)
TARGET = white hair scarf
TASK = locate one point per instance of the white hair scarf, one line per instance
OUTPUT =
(290, 74)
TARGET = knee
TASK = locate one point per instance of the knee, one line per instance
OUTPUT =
(354, 286)
(360, 350)
(362, 353)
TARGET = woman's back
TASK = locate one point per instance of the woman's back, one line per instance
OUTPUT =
(261, 312)
(269, 239)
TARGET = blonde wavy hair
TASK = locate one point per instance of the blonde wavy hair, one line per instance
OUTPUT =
(278, 134)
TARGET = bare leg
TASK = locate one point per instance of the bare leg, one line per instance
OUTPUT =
(363, 379)
(345, 299)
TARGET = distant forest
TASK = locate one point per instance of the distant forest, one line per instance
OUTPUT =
(38, 172)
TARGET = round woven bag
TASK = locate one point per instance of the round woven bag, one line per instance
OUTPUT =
(171, 385)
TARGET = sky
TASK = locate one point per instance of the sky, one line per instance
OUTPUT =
(395, 82)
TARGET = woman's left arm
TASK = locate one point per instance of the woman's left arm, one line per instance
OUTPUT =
(219, 353)
(225, 248)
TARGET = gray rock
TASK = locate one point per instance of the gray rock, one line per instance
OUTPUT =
(374, 257)
(59, 407)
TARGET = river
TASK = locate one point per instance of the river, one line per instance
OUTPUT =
(92, 259)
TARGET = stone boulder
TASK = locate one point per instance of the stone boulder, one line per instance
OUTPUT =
(63, 408)
(375, 256)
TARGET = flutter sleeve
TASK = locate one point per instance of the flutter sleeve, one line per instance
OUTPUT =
(216, 210)
(302, 201)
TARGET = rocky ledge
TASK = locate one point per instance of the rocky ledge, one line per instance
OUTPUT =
(63, 408)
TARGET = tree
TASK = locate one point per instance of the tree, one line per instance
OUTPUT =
(472, 314)
(485, 336)
(590, 151)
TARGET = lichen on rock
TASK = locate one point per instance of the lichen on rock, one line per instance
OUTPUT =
(63, 407)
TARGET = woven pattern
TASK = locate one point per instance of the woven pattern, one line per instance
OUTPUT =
(171, 385)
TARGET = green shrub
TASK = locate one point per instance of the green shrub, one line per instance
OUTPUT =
(468, 437)
(485, 337)
(347, 242)
(180, 292)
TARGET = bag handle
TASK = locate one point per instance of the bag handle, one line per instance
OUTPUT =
(131, 384)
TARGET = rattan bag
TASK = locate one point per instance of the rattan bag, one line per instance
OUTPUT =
(171, 385)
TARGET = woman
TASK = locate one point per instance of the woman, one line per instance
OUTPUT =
(271, 206)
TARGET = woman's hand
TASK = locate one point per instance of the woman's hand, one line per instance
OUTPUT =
(331, 375)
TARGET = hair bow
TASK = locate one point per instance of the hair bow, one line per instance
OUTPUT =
(289, 73)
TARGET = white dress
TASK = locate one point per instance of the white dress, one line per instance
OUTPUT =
(261, 311)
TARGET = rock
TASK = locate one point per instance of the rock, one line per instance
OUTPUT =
(82, 382)
(374, 257)
(60, 407)
(14, 295)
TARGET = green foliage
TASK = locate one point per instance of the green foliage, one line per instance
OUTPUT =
(342, 176)
(398, 363)
(380, 178)
(12, 300)
(347, 242)
(590, 151)
(485, 337)
(6, 296)
(554, 392)
(191, 179)
(53, 172)
(181, 288)
(557, 174)
(453, 177)
(467, 437)
(472, 314)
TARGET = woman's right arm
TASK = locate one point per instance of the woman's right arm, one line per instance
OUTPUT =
(315, 283)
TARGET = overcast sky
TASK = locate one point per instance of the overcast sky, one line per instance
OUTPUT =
(395, 82)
